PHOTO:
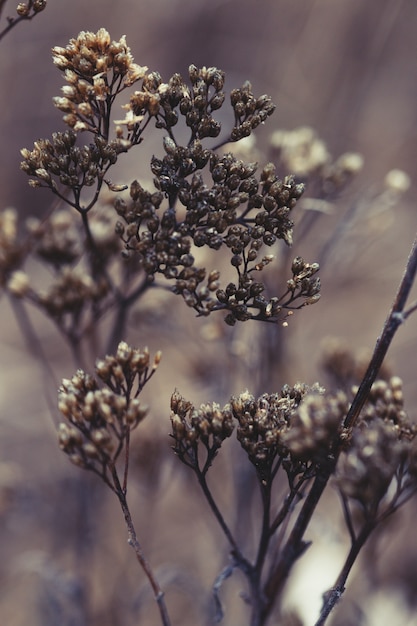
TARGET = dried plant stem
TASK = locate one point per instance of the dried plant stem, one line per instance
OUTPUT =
(13, 21)
(240, 559)
(335, 593)
(133, 541)
(251, 572)
(395, 318)
(295, 544)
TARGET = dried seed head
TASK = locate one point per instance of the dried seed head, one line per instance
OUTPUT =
(98, 420)
(316, 426)
(209, 425)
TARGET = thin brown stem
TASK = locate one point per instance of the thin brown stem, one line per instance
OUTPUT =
(142, 560)
(240, 559)
(14, 21)
(395, 318)
(295, 545)
(335, 593)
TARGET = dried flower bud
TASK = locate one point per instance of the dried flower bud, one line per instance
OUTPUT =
(22, 9)
(397, 181)
(99, 419)
(18, 284)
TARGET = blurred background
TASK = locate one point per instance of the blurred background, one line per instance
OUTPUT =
(346, 69)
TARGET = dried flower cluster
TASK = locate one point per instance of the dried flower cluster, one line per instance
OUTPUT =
(81, 286)
(98, 419)
(263, 422)
(209, 425)
(196, 103)
(60, 161)
(236, 211)
(211, 200)
(31, 8)
(317, 427)
(96, 69)
(299, 427)
(304, 154)
(381, 448)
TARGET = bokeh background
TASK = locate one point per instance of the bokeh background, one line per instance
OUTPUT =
(347, 68)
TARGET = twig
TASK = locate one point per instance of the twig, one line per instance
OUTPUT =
(13, 21)
(395, 318)
(133, 541)
(240, 559)
(335, 593)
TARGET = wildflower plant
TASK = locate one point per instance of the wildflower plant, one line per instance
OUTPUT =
(105, 254)
(25, 11)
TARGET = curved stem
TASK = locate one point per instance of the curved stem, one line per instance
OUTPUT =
(133, 541)
(240, 559)
(13, 21)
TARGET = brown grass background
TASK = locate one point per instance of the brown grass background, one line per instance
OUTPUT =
(345, 67)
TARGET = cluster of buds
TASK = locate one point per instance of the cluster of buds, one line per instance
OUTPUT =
(142, 103)
(382, 449)
(301, 428)
(249, 111)
(386, 402)
(206, 97)
(71, 293)
(304, 154)
(263, 422)
(365, 472)
(316, 427)
(58, 238)
(246, 300)
(130, 367)
(209, 425)
(167, 101)
(279, 197)
(195, 294)
(262, 205)
(304, 283)
(78, 291)
(61, 161)
(96, 69)
(237, 210)
(31, 8)
(98, 420)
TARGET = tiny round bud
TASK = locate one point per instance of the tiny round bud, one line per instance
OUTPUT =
(397, 181)
(22, 9)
